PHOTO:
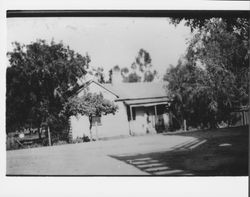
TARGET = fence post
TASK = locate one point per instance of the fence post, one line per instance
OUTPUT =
(185, 124)
(49, 136)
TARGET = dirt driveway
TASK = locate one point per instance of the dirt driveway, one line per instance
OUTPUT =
(221, 152)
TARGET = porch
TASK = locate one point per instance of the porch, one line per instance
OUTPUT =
(148, 116)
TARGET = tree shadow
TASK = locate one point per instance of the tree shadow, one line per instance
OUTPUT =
(217, 156)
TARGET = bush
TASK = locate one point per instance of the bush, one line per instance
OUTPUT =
(35, 145)
(60, 142)
(11, 144)
(86, 139)
(77, 140)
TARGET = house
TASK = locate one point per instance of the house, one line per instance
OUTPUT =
(142, 109)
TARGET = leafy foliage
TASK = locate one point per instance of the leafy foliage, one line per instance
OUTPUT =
(38, 78)
(201, 97)
(143, 60)
(98, 74)
(232, 23)
(141, 69)
(88, 105)
(221, 49)
(149, 75)
(214, 76)
(133, 77)
(116, 69)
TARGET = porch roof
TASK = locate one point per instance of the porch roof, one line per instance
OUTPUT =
(147, 102)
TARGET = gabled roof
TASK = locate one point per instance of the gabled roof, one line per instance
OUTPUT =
(127, 91)
(133, 91)
(99, 84)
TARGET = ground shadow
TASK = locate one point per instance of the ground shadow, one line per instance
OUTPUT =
(204, 156)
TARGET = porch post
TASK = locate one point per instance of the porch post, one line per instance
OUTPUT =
(131, 119)
(155, 115)
(244, 118)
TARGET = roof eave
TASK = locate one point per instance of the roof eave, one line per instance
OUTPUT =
(92, 81)
(129, 99)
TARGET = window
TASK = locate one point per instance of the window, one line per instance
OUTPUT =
(133, 113)
(129, 113)
(96, 120)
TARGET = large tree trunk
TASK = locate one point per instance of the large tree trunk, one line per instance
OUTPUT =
(96, 130)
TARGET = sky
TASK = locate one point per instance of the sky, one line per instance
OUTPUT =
(108, 41)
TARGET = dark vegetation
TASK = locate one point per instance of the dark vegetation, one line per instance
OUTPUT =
(141, 70)
(40, 81)
(212, 79)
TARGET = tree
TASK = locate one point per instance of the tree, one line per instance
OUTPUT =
(133, 77)
(149, 75)
(98, 74)
(114, 71)
(38, 78)
(143, 60)
(141, 69)
(218, 48)
(200, 97)
(124, 71)
(90, 105)
(232, 23)
(214, 77)
(223, 42)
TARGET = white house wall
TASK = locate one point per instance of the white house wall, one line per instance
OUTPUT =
(111, 125)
